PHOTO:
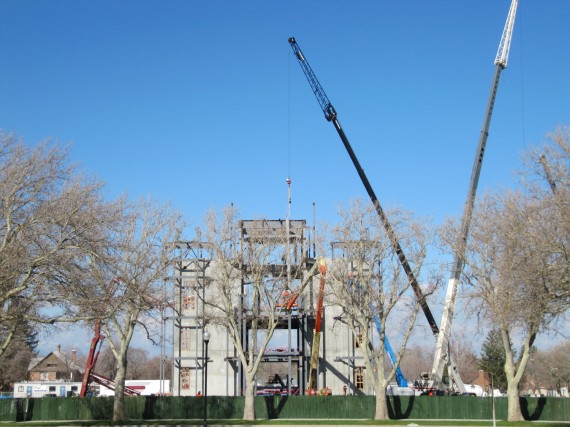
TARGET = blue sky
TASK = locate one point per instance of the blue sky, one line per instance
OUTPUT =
(202, 102)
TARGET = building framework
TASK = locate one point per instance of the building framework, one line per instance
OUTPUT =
(288, 360)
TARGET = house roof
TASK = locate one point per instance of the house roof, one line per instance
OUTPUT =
(34, 362)
(61, 356)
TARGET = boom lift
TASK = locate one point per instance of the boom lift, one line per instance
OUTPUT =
(290, 303)
(331, 116)
(89, 375)
(400, 379)
(94, 350)
(312, 387)
(442, 353)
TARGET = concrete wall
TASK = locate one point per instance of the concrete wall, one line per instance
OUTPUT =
(337, 355)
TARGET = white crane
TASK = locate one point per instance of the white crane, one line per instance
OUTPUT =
(442, 355)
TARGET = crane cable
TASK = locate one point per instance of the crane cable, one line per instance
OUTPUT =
(288, 180)
(289, 115)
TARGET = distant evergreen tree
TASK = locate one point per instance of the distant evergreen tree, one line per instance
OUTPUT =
(16, 359)
(31, 337)
(492, 359)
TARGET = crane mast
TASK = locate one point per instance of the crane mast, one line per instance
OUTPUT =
(331, 116)
(442, 353)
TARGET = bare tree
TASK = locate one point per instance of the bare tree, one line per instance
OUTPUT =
(231, 303)
(368, 282)
(416, 361)
(547, 183)
(464, 356)
(557, 364)
(517, 268)
(508, 280)
(150, 368)
(128, 278)
(137, 359)
(106, 362)
(140, 366)
(51, 219)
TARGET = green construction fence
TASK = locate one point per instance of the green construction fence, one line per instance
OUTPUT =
(275, 407)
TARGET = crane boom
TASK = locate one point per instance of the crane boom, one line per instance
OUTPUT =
(505, 44)
(442, 353)
(331, 116)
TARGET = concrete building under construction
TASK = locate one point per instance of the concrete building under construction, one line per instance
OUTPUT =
(285, 363)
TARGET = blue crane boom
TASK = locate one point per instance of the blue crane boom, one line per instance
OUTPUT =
(400, 379)
(331, 116)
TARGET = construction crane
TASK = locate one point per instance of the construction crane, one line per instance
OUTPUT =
(331, 116)
(442, 353)
(90, 375)
(312, 387)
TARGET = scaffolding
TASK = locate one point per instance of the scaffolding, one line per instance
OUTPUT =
(191, 279)
(194, 264)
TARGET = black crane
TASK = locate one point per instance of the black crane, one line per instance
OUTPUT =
(331, 116)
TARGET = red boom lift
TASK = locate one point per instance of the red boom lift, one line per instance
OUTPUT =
(90, 375)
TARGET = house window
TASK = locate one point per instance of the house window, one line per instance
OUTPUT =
(185, 378)
(359, 377)
(52, 365)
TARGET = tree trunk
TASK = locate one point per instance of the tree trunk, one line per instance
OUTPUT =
(514, 374)
(514, 411)
(119, 400)
(381, 405)
(249, 405)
